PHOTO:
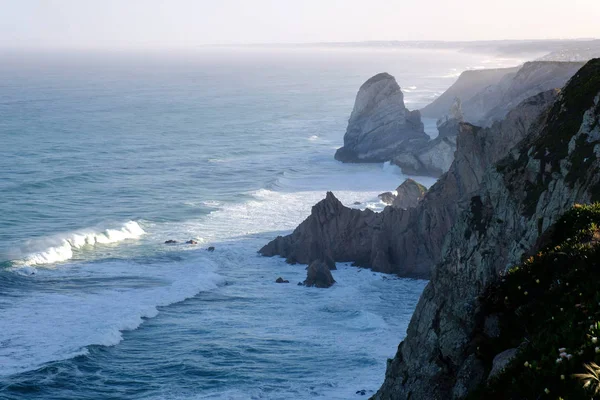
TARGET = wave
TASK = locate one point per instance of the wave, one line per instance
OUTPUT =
(61, 324)
(60, 248)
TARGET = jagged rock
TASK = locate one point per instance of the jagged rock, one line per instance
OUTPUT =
(555, 166)
(319, 275)
(380, 124)
(281, 280)
(409, 242)
(488, 95)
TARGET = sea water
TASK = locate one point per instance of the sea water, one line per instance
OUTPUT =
(105, 156)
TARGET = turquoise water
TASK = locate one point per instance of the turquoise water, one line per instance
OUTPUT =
(103, 157)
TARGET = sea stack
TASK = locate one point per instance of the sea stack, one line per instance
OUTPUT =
(380, 124)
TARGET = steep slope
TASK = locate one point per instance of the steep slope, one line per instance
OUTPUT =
(487, 96)
(468, 84)
(408, 242)
(519, 198)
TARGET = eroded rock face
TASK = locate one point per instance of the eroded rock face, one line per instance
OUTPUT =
(409, 242)
(519, 197)
(488, 95)
(380, 124)
(318, 275)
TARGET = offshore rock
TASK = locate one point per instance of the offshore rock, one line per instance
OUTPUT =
(409, 242)
(380, 125)
(319, 275)
(524, 193)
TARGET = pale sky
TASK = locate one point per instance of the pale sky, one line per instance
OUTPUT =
(109, 24)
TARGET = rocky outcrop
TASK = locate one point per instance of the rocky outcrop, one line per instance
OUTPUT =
(407, 195)
(432, 159)
(318, 275)
(409, 242)
(380, 125)
(522, 195)
(488, 95)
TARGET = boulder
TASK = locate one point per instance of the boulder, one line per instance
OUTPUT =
(211, 248)
(319, 275)
(281, 280)
(500, 362)
(380, 125)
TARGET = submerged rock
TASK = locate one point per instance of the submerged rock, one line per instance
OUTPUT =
(380, 124)
(191, 241)
(211, 248)
(281, 280)
(170, 241)
(319, 275)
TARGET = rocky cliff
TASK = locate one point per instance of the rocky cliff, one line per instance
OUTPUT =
(380, 125)
(488, 95)
(409, 242)
(555, 166)
(468, 84)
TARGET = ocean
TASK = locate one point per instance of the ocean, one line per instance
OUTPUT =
(105, 156)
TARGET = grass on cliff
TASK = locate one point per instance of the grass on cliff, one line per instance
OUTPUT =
(549, 308)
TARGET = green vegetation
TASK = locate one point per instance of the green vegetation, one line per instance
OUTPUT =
(549, 308)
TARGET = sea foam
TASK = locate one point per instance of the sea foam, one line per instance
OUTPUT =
(60, 247)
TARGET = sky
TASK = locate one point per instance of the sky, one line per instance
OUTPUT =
(180, 24)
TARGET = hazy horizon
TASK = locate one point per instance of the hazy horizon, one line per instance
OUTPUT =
(188, 24)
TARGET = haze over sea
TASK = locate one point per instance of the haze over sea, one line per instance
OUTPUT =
(104, 156)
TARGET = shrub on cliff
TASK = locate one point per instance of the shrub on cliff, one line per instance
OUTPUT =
(549, 308)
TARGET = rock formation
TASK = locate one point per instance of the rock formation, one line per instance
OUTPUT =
(522, 195)
(408, 195)
(488, 95)
(318, 275)
(436, 156)
(380, 124)
(409, 242)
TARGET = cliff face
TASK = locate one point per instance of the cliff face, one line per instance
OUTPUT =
(556, 166)
(468, 84)
(409, 242)
(380, 124)
(488, 95)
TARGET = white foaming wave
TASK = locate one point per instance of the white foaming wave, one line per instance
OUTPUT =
(60, 325)
(60, 248)
(313, 137)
